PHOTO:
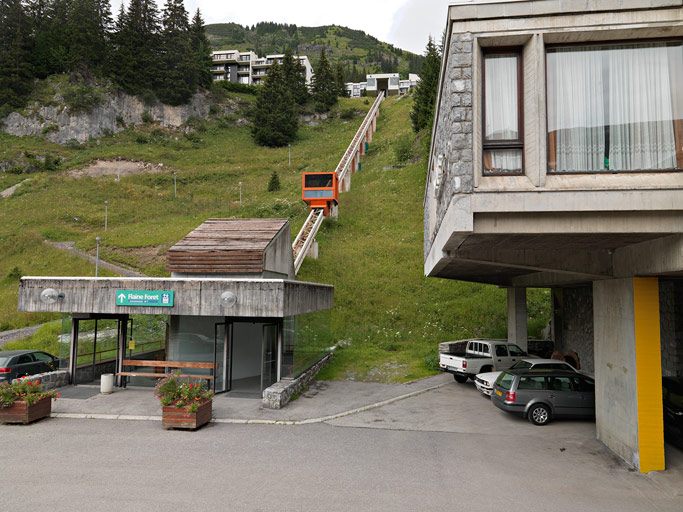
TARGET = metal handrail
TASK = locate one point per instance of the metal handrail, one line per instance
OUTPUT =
(310, 236)
(343, 166)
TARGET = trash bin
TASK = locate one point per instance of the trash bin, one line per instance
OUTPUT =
(107, 383)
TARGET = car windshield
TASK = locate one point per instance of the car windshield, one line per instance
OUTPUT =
(521, 365)
(505, 380)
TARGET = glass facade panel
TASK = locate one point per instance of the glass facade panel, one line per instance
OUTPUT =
(305, 340)
(615, 107)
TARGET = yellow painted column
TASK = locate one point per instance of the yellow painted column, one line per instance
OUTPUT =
(648, 373)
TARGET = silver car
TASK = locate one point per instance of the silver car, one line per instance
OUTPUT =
(485, 381)
(541, 395)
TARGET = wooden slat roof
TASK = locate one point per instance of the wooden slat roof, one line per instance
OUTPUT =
(221, 246)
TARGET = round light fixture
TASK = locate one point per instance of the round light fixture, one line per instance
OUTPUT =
(49, 296)
(228, 299)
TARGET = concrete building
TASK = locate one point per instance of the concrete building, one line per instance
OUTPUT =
(248, 68)
(232, 300)
(390, 83)
(557, 162)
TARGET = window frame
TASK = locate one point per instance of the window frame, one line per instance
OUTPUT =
(608, 42)
(517, 52)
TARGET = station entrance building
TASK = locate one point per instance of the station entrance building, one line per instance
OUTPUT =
(231, 300)
(557, 162)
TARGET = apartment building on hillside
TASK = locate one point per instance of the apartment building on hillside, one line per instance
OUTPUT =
(248, 68)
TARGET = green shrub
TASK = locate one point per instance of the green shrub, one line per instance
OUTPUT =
(120, 122)
(403, 149)
(49, 128)
(347, 114)
(237, 87)
(81, 98)
(147, 117)
(14, 274)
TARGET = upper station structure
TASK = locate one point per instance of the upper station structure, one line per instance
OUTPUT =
(557, 162)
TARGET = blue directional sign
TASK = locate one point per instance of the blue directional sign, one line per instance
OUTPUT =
(145, 298)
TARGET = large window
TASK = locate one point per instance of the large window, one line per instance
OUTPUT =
(502, 114)
(615, 107)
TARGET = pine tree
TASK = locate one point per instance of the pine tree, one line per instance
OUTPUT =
(201, 50)
(50, 53)
(276, 118)
(16, 72)
(274, 183)
(87, 36)
(137, 48)
(422, 115)
(339, 80)
(324, 87)
(177, 75)
(295, 77)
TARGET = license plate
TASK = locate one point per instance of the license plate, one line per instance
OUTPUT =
(499, 393)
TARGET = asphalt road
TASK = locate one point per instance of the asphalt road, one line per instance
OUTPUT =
(97, 465)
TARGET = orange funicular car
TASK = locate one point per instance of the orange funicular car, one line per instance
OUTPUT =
(320, 190)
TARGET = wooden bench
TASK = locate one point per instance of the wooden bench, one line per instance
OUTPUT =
(166, 365)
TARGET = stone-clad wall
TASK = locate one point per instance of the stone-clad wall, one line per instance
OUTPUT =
(573, 318)
(281, 393)
(50, 380)
(453, 136)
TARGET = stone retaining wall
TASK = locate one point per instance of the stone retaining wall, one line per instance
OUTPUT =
(50, 380)
(280, 394)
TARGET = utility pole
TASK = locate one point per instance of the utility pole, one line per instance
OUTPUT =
(106, 214)
(97, 257)
(240, 194)
(289, 147)
(175, 186)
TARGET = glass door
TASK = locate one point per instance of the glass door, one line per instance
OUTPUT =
(269, 355)
(222, 351)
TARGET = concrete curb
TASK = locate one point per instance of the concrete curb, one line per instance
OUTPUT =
(229, 421)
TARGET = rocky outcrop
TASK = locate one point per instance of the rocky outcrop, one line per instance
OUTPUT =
(113, 114)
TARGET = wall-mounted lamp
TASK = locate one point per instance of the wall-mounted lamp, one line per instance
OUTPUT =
(50, 296)
(228, 299)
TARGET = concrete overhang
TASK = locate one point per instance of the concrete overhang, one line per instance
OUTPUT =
(472, 10)
(264, 298)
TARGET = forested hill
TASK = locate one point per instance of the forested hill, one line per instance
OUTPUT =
(358, 52)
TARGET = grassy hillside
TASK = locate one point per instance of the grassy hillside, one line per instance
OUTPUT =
(359, 52)
(388, 315)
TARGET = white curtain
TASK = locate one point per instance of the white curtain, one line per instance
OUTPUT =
(502, 109)
(501, 98)
(612, 107)
(640, 107)
(576, 109)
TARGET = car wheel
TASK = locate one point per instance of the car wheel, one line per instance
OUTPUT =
(539, 414)
(460, 378)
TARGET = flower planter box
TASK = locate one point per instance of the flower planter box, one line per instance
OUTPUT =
(21, 412)
(181, 418)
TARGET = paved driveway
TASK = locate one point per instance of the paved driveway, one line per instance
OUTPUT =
(446, 449)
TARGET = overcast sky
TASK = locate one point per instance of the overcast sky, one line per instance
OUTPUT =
(404, 23)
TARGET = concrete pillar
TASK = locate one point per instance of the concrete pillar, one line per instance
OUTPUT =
(369, 133)
(313, 250)
(517, 317)
(346, 182)
(362, 146)
(628, 370)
